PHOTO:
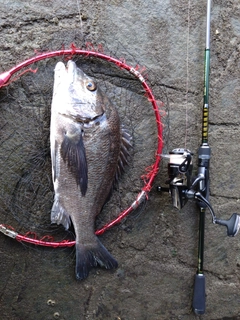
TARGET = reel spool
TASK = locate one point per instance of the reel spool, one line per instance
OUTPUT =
(179, 172)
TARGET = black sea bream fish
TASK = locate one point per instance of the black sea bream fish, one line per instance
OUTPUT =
(88, 149)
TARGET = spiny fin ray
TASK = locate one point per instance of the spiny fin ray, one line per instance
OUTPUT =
(124, 152)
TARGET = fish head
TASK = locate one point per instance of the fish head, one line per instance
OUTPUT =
(76, 94)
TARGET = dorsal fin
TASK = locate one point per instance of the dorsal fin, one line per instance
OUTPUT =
(124, 152)
(124, 156)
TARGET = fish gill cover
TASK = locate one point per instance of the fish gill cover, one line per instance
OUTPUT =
(26, 195)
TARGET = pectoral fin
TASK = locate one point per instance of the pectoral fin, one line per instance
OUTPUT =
(73, 153)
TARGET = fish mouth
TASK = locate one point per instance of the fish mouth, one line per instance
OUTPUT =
(91, 121)
(71, 65)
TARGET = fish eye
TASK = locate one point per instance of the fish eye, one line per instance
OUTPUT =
(91, 85)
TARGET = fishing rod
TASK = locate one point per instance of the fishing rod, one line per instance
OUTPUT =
(183, 187)
(204, 155)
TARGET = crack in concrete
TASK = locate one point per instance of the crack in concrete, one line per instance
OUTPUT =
(33, 20)
(221, 277)
(225, 197)
(177, 89)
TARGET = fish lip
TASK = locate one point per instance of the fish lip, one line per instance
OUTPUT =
(72, 69)
(70, 65)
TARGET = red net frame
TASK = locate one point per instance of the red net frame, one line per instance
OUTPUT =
(5, 79)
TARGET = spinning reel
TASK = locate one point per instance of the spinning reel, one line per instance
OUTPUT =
(182, 186)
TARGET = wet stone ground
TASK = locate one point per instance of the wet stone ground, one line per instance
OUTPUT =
(156, 247)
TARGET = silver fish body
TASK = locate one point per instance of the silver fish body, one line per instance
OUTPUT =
(87, 144)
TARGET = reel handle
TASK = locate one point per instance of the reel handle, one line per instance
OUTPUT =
(232, 224)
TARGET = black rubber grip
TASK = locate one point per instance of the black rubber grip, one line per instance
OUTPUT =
(199, 298)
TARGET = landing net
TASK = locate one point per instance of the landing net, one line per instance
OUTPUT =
(26, 194)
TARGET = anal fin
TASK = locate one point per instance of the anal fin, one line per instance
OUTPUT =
(59, 215)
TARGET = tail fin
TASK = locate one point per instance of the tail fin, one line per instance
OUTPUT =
(89, 257)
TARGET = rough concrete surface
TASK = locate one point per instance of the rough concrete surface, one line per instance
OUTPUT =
(157, 247)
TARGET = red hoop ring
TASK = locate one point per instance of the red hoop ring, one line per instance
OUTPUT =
(4, 81)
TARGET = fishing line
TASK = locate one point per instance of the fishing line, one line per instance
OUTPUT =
(80, 16)
(26, 184)
(187, 78)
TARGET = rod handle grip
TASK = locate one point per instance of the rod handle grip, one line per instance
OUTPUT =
(199, 298)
